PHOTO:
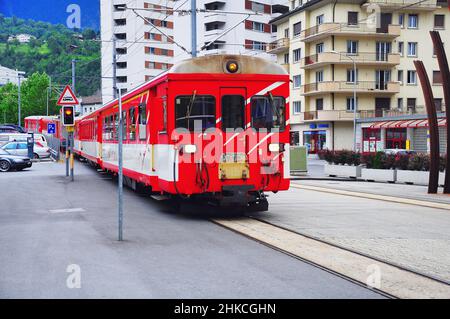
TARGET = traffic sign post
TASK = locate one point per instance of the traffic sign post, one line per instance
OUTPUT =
(68, 100)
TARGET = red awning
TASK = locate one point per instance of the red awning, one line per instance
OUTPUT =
(407, 123)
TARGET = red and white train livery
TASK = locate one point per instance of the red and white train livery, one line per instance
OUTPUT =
(214, 127)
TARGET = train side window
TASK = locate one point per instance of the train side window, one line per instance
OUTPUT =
(195, 112)
(105, 128)
(268, 113)
(233, 112)
(116, 127)
(124, 125)
(132, 125)
(142, 121)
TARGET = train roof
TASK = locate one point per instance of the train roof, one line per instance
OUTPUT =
(216, 64)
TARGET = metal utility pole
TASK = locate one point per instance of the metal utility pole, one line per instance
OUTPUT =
(120, 177)
(114, 68)
(194, 28)
(19, 98)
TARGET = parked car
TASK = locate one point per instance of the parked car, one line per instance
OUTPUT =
(39, 139)
(18, 128)
(399, 151)
(9, 161)
(21, 148)
(8, 129)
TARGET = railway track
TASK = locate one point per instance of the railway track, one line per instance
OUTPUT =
(384, 277)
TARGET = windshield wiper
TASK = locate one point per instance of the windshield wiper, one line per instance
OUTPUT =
(189, 108)
(274, 108)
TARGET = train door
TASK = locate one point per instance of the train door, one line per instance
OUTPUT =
(232, 114)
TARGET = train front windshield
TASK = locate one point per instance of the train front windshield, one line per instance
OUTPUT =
(268, 113)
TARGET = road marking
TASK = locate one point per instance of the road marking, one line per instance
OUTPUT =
(393, 280)
(67, 210)
(385, 198)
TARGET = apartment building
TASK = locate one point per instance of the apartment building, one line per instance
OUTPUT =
(10, 76)
(321, 41)
(234, 31)
(142, 51)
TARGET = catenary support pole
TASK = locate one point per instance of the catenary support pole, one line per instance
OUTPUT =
(120, 177)
(194, 28)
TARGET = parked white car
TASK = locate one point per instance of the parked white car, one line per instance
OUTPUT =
(39, 139)
(21, 148)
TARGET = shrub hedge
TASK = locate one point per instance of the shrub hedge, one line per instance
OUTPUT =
(381, 160)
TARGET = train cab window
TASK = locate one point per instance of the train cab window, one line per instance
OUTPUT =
(233, 112)
(142, 121)
(132, 125)
(268, 112)
(195, 112)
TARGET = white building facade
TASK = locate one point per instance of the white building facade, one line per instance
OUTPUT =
(142, 51)
(9, 76)
(241, 34)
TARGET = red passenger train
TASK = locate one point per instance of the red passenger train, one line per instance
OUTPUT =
(214, 128)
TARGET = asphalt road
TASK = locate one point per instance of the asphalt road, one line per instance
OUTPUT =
(55, 234)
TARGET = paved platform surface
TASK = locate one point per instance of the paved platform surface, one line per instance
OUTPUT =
(43, 231)
(397, 190)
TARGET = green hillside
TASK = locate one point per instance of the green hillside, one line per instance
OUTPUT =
(51, 52)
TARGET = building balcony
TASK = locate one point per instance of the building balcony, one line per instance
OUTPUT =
(427, 5)
(324, 30)
(361, 58)
(278, 46)
(328, 116)
(349, 87)
(215, 18)
(410, 112)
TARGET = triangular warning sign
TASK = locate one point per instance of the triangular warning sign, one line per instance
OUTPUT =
(67, 97)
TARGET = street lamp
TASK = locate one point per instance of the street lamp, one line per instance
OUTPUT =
(354, 94)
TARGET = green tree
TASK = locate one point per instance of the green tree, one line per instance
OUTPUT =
(8, 103)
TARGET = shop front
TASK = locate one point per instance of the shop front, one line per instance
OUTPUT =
(315, 141)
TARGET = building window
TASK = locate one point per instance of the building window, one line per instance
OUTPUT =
(319, 104)
(286, 33)
(297, 29)
(412, 49)
(413, 21)
(257, 7)
(319, 48)
(297, 107)
(412, 78)
(399, 104)
(297, 79)
(401, 19)
(286, 58)
(438, 104)
(297, 55)
(351, 76)
(352, 18)
(411, 104)
(351, 103)
(401, 48)
(400, 76)
(437, 77)
(439, 21)
(320, 19)
(260, 46)
(319, 76)
(352, 47)
(257, 26)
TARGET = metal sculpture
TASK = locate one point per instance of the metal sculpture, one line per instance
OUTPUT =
(445, 74)
(433, 182)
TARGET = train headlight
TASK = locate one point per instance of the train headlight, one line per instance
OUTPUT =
(189, 149)
(275, 148)
(232, 66)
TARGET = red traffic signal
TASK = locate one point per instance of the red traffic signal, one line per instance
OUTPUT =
(68, 116)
